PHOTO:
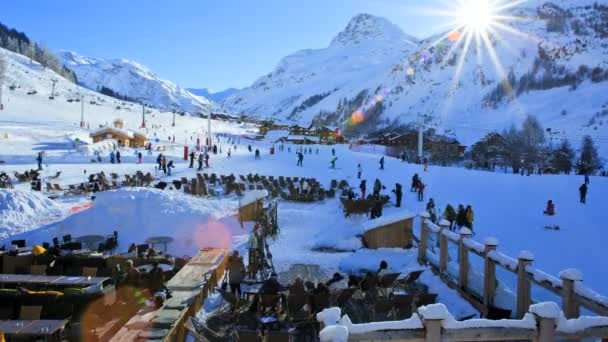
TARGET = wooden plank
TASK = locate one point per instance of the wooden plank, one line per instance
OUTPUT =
(488, 334)
(417, 335)
(595, 332)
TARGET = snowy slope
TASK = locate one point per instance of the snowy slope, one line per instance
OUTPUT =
(311, 80)
(418, 77)
(133, 80)
(215, 96)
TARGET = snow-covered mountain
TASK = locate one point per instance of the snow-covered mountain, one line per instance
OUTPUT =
(134, 81)
(215, 96)
(557, 64)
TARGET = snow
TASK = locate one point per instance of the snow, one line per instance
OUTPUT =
(541, 276)
(138, 213)
(490, 241)
(440, 312)
(581, 323)
(329, 316)
(126, 132)
(571, 274)
(465, 231)
(413, 322)
(334, 333)
(546, 310)
(21, 210)
(474, 245)
(588, 293)
(252, 196)
(387, 220)
(450, 235)
(525, 255)
(503, 260)
(133, 80)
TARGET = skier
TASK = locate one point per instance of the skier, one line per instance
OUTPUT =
(159, 161)
(382, 163)
(333, 151)
(430, 208)
(249, 148)
(415, 180)
(376, 210)
(257, 154)
(421, 187)
(583, 193)
(112, 157)
(586, 179)
(398, 194)
(469, 217)
(449, 214)
(363, 187)
(200, 161)
(377, 187)
(191, 156)
(169, 167)
(359, 170)
(118, 157)
(229, 153)
(206, 160)
(164, 164)
(461, 217)
(139, 158)
(39, 160)
(300, 159)
(333, 162)
(550, 212)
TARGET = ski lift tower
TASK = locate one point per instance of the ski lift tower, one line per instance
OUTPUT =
(81, 110)
(209, 141)
(421, 125)
(143, 114)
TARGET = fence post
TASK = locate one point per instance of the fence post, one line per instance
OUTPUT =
(443, 250)
(463, 257)
(433, 330)
(569, 305)
(546, 329)
(523, 283)
(424, 237)
(489, 274)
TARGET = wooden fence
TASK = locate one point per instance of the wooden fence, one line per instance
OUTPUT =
(568, 286)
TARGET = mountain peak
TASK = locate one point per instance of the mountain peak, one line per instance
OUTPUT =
(367, 27)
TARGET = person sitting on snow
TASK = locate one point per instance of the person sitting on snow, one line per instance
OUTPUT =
(550, 210)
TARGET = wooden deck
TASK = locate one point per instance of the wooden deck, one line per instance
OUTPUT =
(189, 289)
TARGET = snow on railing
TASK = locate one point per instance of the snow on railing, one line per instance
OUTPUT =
(543, 322)
(450, 235)
(541, 276)
(503, 260)
(432, 227)
(588, 293)
(474, 245)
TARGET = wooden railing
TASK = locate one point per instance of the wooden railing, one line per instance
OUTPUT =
(543, 323)
(568, 286)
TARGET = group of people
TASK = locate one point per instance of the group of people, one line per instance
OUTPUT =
(464, 217)
(163, 165)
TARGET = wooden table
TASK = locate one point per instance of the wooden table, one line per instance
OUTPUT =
(159, 240)
(90, 240)
(50, 280)
(41, 327)
(148, 267)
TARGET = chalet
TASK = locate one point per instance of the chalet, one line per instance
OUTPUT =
(269, 125)
(328, 134)
(299, 130)
(124, 137)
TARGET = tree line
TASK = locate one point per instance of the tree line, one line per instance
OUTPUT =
(527, 148)
(20, 43)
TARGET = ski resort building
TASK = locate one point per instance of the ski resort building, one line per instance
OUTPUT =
(124, 137)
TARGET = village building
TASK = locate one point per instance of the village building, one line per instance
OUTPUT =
(124, 137)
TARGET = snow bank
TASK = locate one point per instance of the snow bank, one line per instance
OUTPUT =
(329, 316)
(334, 333)
(440, 312)
(252, 196)
(552, 311)
(23, 210)
(369, 260)
(140, 213)
(388, 219)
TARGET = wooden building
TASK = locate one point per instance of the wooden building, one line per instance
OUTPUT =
(328, 134)
(393, 231)
(124, 137)
(251, 205)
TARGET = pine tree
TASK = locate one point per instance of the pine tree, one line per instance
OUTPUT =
(589, 160)
(563, 157)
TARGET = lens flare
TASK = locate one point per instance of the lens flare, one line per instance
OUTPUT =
(357, 117)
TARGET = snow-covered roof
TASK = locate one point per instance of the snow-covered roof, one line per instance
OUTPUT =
(121, 131)
(252, 196)
(388, 219)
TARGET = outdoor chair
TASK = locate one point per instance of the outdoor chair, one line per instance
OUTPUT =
(496, 313)
(277, 336)
(344, 296)
(383, 309)
(268, 302)
(403, 306)
(248, 336)
(387, 282)
(30, 313)
(295, 307)
(89, 271)
(426, 299)
(410, 279)
(320, 301)
(38, 269)
(57, 187)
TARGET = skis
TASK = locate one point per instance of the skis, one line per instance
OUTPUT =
(554, 227)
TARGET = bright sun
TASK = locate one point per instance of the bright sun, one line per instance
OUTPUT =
(476, 15)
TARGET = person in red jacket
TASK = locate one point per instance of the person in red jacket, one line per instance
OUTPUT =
(550, 210)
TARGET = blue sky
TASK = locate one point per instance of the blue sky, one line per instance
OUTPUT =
(204, 43)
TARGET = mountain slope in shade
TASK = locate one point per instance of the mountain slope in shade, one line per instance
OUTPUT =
(215, 96)
(135, 81)
(559, 58)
